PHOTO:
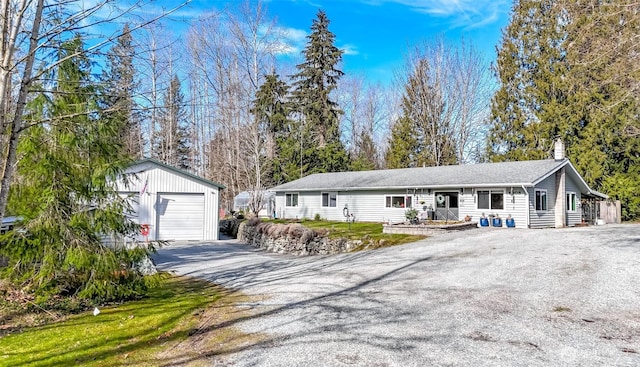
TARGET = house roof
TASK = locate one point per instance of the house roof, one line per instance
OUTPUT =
(522, 173)
(179, 172)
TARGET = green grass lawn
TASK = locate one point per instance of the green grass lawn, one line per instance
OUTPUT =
(359, 231)
(133, 333)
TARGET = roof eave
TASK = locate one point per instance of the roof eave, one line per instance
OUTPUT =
(435, 187)
(561, 164)
(178, 171)
(598, 194)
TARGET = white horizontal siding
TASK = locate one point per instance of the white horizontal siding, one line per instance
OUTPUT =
(366, 206)
(573, 218)
(543, 219)
(515, 205)
(162, 180)
(370, 206)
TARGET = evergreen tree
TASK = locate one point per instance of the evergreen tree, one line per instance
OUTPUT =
(64, 191)
(173, 145)
(366, 156)
(423, 136)
(118, 94)
(403, 145)
(527, 110)
(271, 109)
(317, 77)
(605, 97)
(569, 70)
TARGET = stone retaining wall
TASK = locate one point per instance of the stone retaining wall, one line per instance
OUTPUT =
(292, 238)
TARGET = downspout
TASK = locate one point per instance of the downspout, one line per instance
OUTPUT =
(526, 193)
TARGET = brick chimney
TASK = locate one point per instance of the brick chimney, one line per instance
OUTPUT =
(558, 151)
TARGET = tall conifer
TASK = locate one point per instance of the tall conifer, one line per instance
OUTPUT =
(64, 191)
(317, 78)
(271, 108)
(569, 69)
(173, 145)
(118, 88)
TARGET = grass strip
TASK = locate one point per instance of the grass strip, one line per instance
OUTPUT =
(135, 333)
(365, 231)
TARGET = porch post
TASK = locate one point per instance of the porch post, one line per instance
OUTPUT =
(559, 208)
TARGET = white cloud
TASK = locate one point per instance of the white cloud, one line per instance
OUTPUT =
(460, 13)
(292, 40)
(349, 49)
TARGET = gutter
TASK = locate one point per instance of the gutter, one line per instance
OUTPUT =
(596, 193)
(378, 188)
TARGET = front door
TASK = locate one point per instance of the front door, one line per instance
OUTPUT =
(446, 205)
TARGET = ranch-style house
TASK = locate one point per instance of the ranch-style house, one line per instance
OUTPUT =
(535, 194)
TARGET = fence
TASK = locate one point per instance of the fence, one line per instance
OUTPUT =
(610, 211)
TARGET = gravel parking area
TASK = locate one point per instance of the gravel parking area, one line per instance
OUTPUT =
(487, 297)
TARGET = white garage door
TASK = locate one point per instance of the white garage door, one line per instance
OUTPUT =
(180, 216)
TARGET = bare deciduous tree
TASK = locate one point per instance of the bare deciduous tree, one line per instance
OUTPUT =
(232, 51)
(29, 28)
(446, 90)
(366, 110)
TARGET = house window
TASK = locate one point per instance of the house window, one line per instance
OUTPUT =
(329, 199)
(571, 201)
(398, 202)
(291, 200)
(490, 199)
(541, 200)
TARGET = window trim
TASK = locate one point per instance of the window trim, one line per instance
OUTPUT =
(388, 201)
(287, 202)
(544, 207)
(574, 207)
(490, 192)
(329, 194)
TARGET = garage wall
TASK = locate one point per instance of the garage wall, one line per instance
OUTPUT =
(161, 181)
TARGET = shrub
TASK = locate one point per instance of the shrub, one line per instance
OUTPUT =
(317, 217)
(411, 215)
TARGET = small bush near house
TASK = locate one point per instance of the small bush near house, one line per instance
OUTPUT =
(411, 215)
(230, 226)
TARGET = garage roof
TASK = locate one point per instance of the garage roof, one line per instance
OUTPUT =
(180, 172)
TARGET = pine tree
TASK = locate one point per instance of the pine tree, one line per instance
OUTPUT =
(118, 94)
(64, 191)
(317, 78)
(173, 145)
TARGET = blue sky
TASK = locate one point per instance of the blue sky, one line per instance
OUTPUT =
(376, 33)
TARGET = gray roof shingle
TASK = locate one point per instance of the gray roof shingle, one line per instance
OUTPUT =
(474, 175)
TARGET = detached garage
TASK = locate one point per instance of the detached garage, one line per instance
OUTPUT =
(175, 205)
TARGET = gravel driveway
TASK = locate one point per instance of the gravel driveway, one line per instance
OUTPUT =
(486, 297)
